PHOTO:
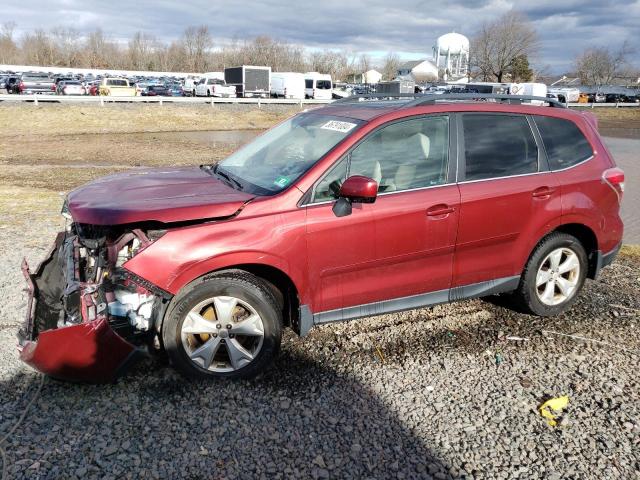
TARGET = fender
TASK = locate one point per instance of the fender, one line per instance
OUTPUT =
(233, 260)
(549, 227)
(185, 254)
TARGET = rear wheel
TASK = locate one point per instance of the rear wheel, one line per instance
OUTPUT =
(227, 325)
(553, 276)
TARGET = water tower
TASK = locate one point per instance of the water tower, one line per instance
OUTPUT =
(451, 53)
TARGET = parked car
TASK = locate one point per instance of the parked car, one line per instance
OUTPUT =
(57, 80)
(287, 85)
(214, 87)
(341, 212)
(116, 87)
(70, 87)
(175, 90)
(318, 86)
(11, 84)
(156, 91)
(37, 83)
(597, 97)
(189, 86)
(93, 88)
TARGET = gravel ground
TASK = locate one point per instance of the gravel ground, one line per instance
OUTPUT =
(428, 393)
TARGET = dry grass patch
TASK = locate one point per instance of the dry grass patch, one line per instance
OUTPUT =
(65, 119)
(631, 252)
(22, 208)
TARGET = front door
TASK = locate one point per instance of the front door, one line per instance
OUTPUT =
(400, 246)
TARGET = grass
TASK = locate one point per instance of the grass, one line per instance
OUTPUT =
(631, 251)
(59, 147)
(64, 119)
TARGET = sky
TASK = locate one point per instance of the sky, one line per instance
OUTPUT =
(409, 27)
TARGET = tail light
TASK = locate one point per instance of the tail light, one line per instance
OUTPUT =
(53, 87)
(614, 177)
(21, 86)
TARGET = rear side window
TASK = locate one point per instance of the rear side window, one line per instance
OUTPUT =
(564, 142)
(498, 146)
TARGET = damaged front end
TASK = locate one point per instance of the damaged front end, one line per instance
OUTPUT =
(87, 315)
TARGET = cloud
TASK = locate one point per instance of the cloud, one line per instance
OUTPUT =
(375, 26)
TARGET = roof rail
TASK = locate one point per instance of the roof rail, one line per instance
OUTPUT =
(379, 96)
(502, 97)
(431, 98)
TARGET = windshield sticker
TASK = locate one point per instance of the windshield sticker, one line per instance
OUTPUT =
(334, 125)
(281, 182)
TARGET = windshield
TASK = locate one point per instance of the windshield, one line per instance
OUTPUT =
(278, 158)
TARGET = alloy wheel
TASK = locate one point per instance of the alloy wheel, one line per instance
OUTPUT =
(558, 276)
(222, 334)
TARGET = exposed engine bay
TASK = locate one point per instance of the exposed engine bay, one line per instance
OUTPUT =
(82, 290)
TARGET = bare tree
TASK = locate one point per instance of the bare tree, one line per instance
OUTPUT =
(499, 43)
(338, 64)
(99, 52)
(364, 63)
(196, 42)
(140, 51)
(600, 65)
(64, 44)
(38, 49)
(8, 47)
(390, 66)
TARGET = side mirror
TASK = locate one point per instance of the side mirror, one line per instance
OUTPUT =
(355, 189)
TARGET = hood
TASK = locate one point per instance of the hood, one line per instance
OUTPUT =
(162, 195)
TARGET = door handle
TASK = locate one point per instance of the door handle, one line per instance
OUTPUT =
(438, 210)
(543, 192)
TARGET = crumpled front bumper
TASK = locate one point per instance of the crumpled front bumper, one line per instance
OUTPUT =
(86, 352)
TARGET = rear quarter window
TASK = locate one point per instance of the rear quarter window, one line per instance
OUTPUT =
(565, 144)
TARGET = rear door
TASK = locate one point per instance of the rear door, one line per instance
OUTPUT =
(507, 196)
(400, 246)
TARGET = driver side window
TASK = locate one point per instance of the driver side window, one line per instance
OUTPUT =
(401, 156)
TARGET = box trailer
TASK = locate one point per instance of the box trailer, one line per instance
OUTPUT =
(396, 87)
(250, 81)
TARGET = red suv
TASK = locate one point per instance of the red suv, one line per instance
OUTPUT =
(355, 209)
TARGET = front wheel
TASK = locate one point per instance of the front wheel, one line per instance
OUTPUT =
(225, 325)
(553, 277)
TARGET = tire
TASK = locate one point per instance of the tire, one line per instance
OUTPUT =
(548, 298)
(191, 353)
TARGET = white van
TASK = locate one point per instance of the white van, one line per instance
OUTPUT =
(318, 86)
(529, 89)
(287, 85)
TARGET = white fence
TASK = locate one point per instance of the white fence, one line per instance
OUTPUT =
(102, 100)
